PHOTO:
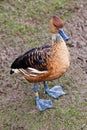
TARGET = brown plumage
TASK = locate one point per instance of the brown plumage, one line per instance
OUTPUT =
(45, 63)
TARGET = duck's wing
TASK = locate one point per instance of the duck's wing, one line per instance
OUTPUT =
(34, 61)
(38, 58)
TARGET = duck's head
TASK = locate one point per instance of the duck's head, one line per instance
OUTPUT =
(56, 26)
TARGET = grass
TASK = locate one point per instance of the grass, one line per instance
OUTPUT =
(23, 25)
(58, 118)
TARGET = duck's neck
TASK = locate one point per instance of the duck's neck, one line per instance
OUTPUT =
(56, 38)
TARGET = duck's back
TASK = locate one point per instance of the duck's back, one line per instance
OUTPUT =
(35, 58)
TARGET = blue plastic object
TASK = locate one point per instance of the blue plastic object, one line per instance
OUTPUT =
(63, 34)
(54, 92)
(42, 104)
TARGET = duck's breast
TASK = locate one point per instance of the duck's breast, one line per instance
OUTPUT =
(59, 60)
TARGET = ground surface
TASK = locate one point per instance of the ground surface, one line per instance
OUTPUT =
(23, 25)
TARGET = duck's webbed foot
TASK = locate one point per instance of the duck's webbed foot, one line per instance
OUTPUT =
(42, 104)
(54, 92)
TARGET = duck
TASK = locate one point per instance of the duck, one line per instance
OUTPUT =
(45, 63)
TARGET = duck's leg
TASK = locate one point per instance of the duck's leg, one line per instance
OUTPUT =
(42, 104)
(54, 92)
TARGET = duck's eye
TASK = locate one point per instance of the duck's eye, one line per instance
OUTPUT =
(56, 26)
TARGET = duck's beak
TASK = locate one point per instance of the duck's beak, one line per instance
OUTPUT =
(63, 34)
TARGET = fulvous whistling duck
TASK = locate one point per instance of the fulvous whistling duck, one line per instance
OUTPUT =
(45, 63)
